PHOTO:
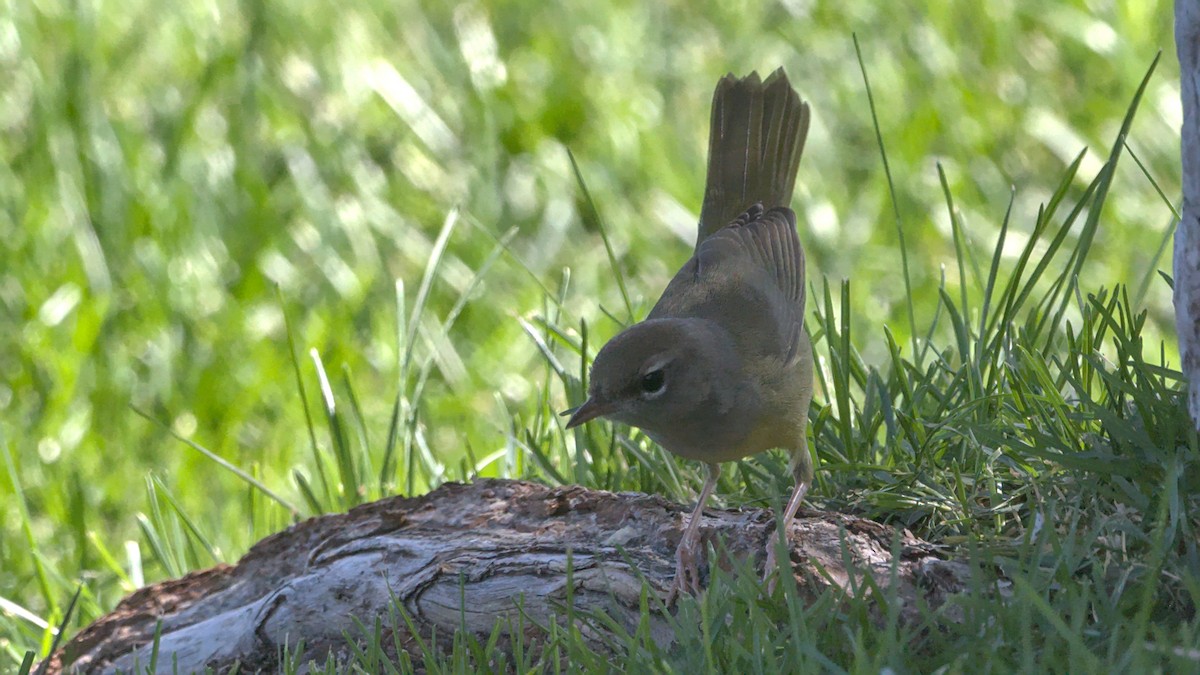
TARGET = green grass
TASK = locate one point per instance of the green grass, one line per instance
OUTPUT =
(343, 249)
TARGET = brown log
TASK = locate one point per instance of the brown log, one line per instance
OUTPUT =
(469, 553)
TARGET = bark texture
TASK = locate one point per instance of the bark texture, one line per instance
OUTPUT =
(1187, 235)
(469, 553)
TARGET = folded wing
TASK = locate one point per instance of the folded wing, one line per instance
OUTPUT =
(748, 277)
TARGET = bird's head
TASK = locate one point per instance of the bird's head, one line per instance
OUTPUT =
(662, 376)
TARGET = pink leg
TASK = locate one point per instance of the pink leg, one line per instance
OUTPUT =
(687, 576)
(783, 523)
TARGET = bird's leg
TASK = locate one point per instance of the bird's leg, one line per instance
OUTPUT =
(783, 523)
(687, 575)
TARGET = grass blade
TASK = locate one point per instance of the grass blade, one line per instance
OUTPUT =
(220, 461)
(887, 170)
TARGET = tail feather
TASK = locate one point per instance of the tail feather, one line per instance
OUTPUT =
(754, 147)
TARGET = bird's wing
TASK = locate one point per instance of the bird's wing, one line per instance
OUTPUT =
(749, 278)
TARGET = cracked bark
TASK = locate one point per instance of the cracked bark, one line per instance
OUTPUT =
(1187, 235)
(466, 555)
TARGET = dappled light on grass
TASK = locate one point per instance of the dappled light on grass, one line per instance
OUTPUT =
(198, 198)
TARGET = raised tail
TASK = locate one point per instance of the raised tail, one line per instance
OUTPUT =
(754, 147)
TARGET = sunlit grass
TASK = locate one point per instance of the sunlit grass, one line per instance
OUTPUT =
(345, 250)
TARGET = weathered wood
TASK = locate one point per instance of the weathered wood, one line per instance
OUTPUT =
(470, 553)
(1187, 235)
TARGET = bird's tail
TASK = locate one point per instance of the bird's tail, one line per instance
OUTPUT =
(754, 147)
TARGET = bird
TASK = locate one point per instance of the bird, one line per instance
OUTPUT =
(722, 368)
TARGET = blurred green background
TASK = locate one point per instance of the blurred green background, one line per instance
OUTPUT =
(166, 166)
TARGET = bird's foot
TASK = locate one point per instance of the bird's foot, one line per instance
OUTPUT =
(687, 573)
(771, 572)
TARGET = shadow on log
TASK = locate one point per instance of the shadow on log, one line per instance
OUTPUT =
(469, 552)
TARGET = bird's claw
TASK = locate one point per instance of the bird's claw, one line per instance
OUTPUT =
(687, 573)
(771, 568)
(774, 569)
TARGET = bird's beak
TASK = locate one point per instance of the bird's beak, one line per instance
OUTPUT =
(591, 409)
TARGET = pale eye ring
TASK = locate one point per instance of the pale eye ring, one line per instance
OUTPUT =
(653, 382)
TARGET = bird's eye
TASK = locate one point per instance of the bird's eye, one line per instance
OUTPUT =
(653, 381)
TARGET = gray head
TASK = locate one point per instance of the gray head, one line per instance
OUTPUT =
(672, 378)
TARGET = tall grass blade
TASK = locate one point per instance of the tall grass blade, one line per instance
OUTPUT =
(593, 214)
(887, 170)
(294, 358)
